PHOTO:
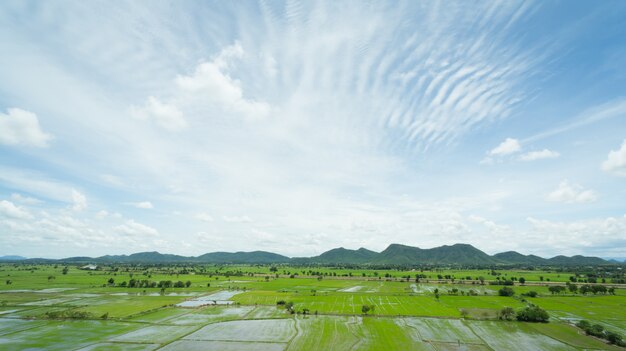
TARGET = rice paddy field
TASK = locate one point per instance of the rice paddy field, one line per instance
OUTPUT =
(244, 308)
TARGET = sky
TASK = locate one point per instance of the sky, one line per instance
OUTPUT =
(295, 127)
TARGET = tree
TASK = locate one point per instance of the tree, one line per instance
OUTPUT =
(585, 289)
(556, 289)
(507, 314)
(614, 338)
(522, 280)
(533, 314)
(365, 309)
(506, 291)
(187, 284)
(111, 281)
(531, 293)
(65, 270)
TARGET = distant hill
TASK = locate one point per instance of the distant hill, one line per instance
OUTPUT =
(242, 257)
(149, 257)
(462, 254)
(394, 254)
(345, 256)
(517, 258)
(213, 257)
(12, 258)
(576, 260)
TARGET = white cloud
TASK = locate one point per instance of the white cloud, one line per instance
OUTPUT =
(616, 161)
(211, 82)
(602, 236)
(79, 201)
(133, 228)
(20, 127)
(539, 155)
(493, 227)
(507, 147)
(8, 209)
(25, 199)
(102, 214)
(205, 217)
(165, 115)
(572, 193)
(237, 219)
(146, 205)
(112, 180)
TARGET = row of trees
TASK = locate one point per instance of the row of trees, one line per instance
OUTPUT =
(598, 331)
(584, 289)
(144, 283)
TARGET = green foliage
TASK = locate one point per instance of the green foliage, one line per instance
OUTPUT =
(598, 331)
(556, 289)
(68, 314)
(507, 314)
(367, 308)
(532, 314)
(506, 291)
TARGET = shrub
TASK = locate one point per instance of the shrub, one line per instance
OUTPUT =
(506, 291)
(533, 314)
(507, 314)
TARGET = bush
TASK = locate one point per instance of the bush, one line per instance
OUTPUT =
(614, 338)
(506, 291)
(533, 314)
(507, 314)
(530, 294)
(68, 314)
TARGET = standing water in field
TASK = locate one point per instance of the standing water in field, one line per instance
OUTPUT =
(218, 298)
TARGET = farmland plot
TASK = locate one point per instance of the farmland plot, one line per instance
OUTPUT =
(273, 330)
(63, 336)
(512, 335)
(442, 330)
(155, 334)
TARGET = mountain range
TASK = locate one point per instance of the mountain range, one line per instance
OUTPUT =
(394, 254)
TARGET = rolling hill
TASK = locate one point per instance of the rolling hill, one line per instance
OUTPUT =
(394, 254)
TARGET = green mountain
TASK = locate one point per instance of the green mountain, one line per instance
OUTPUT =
(12, 258)
(394, 254)
(148, 257)
(577, 260)
(345, 256)
(463, 254)
(242, 257)
(514, 257)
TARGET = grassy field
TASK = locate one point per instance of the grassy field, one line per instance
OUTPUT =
(82, 310)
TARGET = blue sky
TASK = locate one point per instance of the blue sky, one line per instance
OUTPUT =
(190, 127)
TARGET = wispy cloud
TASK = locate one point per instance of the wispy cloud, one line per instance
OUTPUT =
(146, 205)
(539, 155)
(330, 123)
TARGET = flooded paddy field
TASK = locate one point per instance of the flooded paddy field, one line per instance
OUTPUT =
(282, 313)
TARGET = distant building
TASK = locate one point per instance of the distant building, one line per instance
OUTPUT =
(89, 267)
